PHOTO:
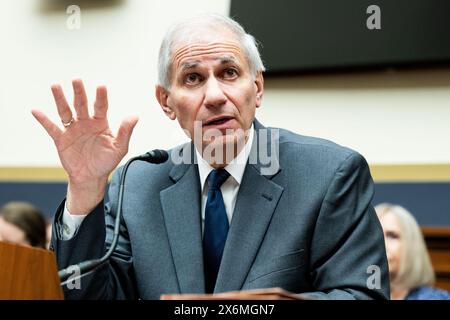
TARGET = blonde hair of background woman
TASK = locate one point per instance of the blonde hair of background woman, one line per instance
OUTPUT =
(415, 268)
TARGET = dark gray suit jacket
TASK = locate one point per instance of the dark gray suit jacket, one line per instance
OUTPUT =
(307, 227)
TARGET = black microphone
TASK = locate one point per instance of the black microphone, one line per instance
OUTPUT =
(155, 156)
(86, 267)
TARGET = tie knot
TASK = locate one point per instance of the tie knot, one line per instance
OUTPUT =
(217, 177)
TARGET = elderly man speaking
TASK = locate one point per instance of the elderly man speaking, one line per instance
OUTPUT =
(240, 207)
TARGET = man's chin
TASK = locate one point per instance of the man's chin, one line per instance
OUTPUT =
(222, 149)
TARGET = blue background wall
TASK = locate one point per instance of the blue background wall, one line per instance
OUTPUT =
(429, 202)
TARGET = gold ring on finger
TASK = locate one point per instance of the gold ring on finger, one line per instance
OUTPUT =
(67, 124)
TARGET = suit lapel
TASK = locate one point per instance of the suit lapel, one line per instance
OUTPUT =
(181, 206)
(255, 204)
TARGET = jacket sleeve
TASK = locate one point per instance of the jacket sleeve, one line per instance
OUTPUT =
(348, 258)
(115, 280)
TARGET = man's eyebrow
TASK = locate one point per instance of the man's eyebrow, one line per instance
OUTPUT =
(189, 64)
(227, 59)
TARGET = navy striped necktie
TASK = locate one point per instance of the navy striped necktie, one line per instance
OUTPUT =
(216, 228)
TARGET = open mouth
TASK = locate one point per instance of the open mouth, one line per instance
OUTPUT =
(218, 121)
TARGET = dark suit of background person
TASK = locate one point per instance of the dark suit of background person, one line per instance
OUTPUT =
(309, 227)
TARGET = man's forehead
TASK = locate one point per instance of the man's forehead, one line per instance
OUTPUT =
(192, 54)
(192, 63)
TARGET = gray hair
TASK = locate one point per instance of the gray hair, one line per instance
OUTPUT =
(186, 27)
(415, 268)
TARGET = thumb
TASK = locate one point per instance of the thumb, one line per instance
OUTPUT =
(51, 128)
(125, 131)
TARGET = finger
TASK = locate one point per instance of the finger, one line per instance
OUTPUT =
(125, 131)
(80, 99)
(61, 103)
(101, 103)
(51, 128)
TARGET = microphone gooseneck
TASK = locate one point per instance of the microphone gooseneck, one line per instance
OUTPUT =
(86, 267)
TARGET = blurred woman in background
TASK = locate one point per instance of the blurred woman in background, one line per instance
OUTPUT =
(410, 270)
(22, 223)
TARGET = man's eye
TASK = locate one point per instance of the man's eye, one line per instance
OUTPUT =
(230, 73)
(192, 78)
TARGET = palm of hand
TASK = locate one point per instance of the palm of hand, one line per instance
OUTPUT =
(87, 148)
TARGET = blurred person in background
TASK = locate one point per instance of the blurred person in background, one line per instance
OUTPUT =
(22, 223)
(410, 270)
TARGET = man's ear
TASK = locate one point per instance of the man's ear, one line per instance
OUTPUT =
(162, 95)
(259, 84)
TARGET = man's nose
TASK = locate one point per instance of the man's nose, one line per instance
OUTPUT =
(214, 94)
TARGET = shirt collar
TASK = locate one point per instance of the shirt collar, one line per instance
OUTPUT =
(235, 168)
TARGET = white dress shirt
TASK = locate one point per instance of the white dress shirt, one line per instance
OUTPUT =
(230, 188)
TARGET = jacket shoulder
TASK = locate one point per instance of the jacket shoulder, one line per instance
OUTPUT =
(318, 148)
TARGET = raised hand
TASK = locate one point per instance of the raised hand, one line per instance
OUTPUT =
(87, 148)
